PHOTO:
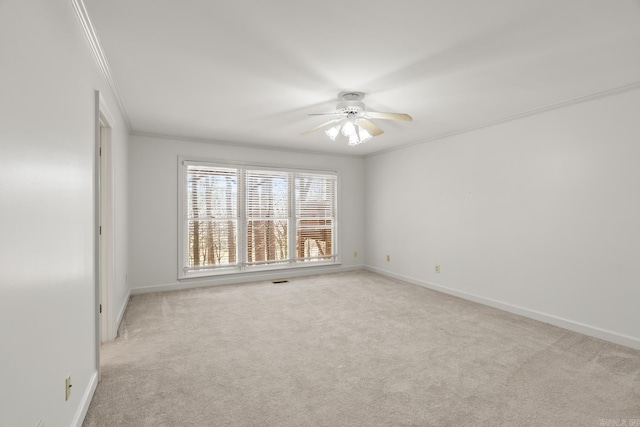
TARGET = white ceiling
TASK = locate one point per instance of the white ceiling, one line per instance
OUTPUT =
(250, 72)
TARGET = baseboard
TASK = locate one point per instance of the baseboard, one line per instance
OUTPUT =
(86, 401)
(243, 278)
(570, 325)
(114, 325)
(122, 310)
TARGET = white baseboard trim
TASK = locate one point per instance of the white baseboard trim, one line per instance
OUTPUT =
(122, 310)
(86, 401)
(243, 278)
(570, 325)
(114, 324)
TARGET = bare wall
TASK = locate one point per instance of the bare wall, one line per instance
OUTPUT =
(538, 216)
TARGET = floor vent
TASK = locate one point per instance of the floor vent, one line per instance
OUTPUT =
(280, 281)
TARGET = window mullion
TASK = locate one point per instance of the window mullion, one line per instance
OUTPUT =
(293, 225)
(185, 219)
(242, 220)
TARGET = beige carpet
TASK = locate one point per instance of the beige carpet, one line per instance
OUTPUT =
(353, 349)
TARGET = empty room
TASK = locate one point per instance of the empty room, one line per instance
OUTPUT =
(297, 213)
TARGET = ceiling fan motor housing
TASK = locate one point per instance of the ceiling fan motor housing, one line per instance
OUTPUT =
(350, 107)
(351, 104)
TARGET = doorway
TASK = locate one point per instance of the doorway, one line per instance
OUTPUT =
(105, 225)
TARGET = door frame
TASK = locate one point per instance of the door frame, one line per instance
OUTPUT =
(104, 260)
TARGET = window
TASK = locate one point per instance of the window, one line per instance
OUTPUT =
(267, 217)
(315, 217)
(211, 217)
(243, 218)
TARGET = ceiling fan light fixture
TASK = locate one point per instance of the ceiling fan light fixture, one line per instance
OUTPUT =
(359, 136)
(348, 129)
(333, 132)
(354, 140)
(364, 134)
(354, 133)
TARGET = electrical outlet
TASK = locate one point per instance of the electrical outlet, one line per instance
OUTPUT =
(437, 268)
(67, 387)
(388, 258)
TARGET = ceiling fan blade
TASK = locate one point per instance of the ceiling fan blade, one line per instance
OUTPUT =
(388, 116)
(370, 127)
(321, 126)
(325, 114)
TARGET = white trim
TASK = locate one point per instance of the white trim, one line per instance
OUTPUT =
(243, 278)
(182, 185)
(570, 325)
(292, 241)
(337, 227)
(122, 310)
(107, 220)
(81, 413)
(107, 225)
(96, 234)
(106, 112)
(98, 53)
(256, 268)
(234, 164)
(535, 111)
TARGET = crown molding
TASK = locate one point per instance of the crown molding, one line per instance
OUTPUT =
(98, 53)
(555, 106)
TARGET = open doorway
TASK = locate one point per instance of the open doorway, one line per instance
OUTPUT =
(104, 259)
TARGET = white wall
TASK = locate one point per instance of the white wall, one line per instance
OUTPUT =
(153, 203)
(540, 216)
(47, 138)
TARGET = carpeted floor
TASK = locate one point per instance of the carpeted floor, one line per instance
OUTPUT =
(353, 349)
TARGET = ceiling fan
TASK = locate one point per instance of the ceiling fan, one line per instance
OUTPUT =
(352, 120)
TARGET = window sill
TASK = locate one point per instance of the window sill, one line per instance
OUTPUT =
(254, 270)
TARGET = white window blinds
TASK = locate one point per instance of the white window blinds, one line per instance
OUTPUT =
(211, 211)
(238, 218)
(315, 216)
(267, 216)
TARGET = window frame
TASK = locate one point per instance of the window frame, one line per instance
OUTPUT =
(241, 239)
